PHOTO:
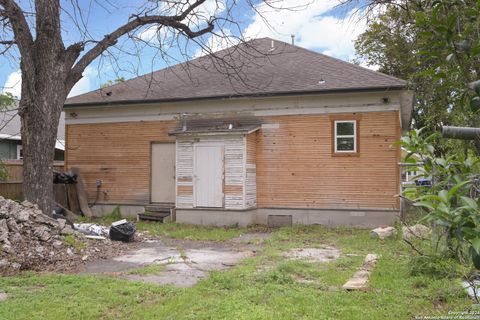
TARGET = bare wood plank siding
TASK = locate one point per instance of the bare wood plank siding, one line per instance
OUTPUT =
(234, 174)
(184, 173)
(234, 171)
(251, 171)
(295, 167)
(119, 155)
(294, 164)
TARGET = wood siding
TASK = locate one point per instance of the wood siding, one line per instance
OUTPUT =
(296, 168)
(251, 170)
(288, 163)
(184, 174)
(234, 181)
(119, 155)
(234, 172)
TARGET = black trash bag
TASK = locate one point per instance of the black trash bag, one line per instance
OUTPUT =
(64, 177)
(123, 232)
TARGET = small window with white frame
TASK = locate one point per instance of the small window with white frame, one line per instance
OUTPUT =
(19, 152)
(345, 140)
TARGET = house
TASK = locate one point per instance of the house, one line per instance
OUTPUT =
(11, 153)
(11, 140)
(263, 132)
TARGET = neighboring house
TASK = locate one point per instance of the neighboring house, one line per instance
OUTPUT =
(412, 170)
(297, 137)
(11, 140)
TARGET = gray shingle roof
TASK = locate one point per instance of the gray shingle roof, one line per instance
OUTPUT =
(248, 69)
(10, 123)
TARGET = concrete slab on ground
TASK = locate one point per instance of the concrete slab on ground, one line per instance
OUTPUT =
(186, 262)
(359, 281)
(323, 254)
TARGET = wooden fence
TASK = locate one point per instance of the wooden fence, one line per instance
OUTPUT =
(11, 188)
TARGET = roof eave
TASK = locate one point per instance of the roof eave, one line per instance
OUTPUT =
(214, 132)
(237, 96)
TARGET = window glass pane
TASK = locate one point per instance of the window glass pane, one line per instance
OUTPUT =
(345, 144)
(345, 128)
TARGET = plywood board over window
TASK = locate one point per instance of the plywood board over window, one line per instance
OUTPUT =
(345, 135)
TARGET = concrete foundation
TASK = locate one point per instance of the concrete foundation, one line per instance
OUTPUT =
(265, 216)
(126, 210)
(214, 217)
(329, 217)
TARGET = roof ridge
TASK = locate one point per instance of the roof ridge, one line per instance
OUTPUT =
(291, 68)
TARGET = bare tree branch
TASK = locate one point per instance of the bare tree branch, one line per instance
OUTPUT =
(112, 38)
(23, 36)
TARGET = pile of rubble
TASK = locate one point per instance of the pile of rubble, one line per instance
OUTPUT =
(31, 240)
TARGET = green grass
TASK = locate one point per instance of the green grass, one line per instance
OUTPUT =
(105, 220)
(189, 232)
(71, 241)
(153, 269)
(175, 230)
(262, 287)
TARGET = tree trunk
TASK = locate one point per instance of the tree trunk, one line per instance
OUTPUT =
(40, 113)
(44, 90)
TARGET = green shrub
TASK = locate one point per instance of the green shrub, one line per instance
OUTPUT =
(435, 266)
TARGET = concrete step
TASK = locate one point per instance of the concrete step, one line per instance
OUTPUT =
(157, 212)
(157, 216)
(160, 207)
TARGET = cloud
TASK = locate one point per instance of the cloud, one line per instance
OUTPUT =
(85, 84)
(156, 34)
(216, 42)
(311, 23)
(13, 84)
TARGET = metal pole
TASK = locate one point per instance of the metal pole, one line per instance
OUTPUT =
(464, 133)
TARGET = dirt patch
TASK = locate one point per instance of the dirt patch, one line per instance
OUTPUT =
(324, 254)
(3, 296)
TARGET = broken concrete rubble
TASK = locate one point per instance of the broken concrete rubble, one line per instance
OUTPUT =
(416, 231)
(31, 240)
(383, 232)
(324, 254)
(3, 230)
(359, 281)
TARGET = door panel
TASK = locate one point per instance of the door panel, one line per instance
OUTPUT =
(163, 172)
(209, 176)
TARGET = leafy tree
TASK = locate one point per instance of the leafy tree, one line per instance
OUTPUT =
(6, 100)
(452, 201)
(435, 46)
(112, 82)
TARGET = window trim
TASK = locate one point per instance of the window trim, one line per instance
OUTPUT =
(19, 152)
(337, 136)
(345, 117)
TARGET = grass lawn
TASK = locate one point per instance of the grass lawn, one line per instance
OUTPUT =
(189, 232)
(175, 230)
(262, 287)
